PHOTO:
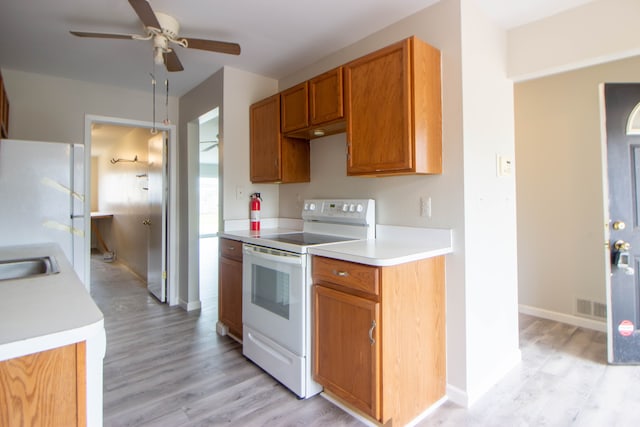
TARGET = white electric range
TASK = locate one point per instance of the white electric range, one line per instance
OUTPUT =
(276, 287)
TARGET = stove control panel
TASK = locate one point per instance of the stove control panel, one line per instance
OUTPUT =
(346, 211)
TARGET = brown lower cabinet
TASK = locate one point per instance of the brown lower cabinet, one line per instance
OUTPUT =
(45, 389)
(379, 336)
(230, 286)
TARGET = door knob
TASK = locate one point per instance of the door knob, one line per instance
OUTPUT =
(147, 221)
(621, 245)
(619, 225)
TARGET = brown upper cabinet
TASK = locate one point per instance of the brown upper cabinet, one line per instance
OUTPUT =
(274, 157)
(4, 110)
(394, 111)
(314, 108)
(326, 100)
(295, 104)
(389, 102)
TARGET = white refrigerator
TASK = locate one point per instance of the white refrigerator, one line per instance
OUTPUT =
(42, 197)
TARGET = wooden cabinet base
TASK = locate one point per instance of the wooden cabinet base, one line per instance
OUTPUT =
(379, 336)
(45, 389)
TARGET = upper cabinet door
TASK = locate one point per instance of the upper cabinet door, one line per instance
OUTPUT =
(265, 137)
(378, 112)
(393, 106)
(325, 97)
(295, 105)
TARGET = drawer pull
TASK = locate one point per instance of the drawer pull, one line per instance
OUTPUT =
(231, 248)
(373, 326)
(340, 273)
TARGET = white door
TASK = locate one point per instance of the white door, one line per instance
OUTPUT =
(157, 220)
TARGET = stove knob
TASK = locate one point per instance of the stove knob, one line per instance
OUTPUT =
(359, 208)
(312, 207)
(352, 208)
(345, 207)
(306, 206)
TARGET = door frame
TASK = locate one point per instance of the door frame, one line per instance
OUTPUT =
(172, 206)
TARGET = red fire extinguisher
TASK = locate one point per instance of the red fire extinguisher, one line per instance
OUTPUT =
(255, 211)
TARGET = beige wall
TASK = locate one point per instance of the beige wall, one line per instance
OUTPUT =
(233, 91)
(45, 108)
(482, 334)
(122, 194)
(597, 32)
(559, 186)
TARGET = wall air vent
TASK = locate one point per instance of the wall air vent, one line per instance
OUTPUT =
(583, 307)
(592, 309)
(600, 310)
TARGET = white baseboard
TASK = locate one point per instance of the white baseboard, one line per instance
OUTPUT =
(457, 396)
(373, 423)
(467, 398)
(582, 322)
(190, 306)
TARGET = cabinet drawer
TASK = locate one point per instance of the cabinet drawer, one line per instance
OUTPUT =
(231, 249)
(351, 275)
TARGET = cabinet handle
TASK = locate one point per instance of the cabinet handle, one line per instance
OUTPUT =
(373, 326)
(340, 273)
(231, 248)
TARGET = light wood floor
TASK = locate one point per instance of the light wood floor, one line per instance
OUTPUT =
(166, 367)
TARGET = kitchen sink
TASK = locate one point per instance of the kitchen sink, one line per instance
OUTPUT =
(28, 267)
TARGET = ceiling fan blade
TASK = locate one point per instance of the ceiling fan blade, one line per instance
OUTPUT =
(102, 35)
(209, 148)
(172, 62)
(145, 13)
(213, 46)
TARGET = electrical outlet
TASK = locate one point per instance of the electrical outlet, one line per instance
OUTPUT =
(425, 207)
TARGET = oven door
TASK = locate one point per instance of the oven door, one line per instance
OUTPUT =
(273, 295)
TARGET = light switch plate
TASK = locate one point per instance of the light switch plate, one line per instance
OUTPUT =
(504, 166)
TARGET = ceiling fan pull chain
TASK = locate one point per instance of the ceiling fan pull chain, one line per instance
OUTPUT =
(166, 102)
(153, 84)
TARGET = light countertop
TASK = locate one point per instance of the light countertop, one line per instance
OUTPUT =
(43, 312)
(393, 244)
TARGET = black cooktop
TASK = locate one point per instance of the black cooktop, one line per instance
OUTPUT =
(306, 239)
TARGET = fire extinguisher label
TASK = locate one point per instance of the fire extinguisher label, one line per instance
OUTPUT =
(255, 215)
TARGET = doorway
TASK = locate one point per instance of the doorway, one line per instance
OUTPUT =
(622, 126)
(125, 155)
(209, 206)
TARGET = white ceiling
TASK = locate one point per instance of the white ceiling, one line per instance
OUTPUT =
(277, 37)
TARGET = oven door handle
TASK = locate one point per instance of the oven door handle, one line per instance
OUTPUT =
(285, 259)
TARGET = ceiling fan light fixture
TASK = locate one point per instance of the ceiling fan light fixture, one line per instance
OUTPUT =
(158, 58)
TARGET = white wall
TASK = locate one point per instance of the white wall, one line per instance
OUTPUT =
(491, 291)
(233, 91)
(481, 308)
(594, 33)
(45, 108)
(203, 98)
(241, 89)
(561, 224)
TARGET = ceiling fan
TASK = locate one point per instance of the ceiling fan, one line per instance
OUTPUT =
(213, 143)
(163, 29)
